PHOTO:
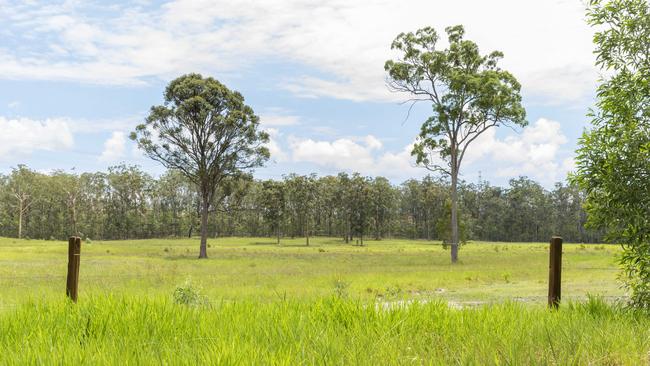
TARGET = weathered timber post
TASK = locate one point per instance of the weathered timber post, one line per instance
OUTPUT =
(555, 272)
(74, 252)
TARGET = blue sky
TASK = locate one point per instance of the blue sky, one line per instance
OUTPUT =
(77, 76)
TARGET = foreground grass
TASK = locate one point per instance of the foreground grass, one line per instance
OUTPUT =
(258, 270)
(328, 331)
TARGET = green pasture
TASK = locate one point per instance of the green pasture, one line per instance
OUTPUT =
(396, 302)
(258, 269)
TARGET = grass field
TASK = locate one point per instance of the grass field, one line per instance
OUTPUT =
(391, 302)
(258, 269)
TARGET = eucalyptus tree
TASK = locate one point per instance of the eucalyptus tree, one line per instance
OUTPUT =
(343, 201)
(613, 160)
(273, 204)
(205, 131)
(127, 192)
(359, 201)
(382, 205)
(301, 197)
(469, 94)
(70, 186)
(22, 185)
(173, 200)
(328, 201)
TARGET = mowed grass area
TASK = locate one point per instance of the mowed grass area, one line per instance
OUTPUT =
(258, 269)
(390, 302)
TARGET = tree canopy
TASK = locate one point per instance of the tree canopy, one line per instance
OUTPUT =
(205, 131)
(613, 161)
(468, 92)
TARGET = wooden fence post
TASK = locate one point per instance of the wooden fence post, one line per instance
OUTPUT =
(74, 252)
(555, 272)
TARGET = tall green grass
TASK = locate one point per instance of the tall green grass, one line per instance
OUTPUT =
(328, 331)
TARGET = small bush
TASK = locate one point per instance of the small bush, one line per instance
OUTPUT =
(506, 277)
(189, 294)
(341, 288)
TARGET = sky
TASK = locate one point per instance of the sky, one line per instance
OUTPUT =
(76, 77)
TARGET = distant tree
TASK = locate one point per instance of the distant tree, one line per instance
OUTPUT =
(273, 203)
(23, 189)
(173, 199)
(205, 131)
(613, 160)
(528, 212)
(359, 200)
(328, 199)
(382, 202)
(128, 189)
(70, 185)
(301, 201)
(469, 93)
(343, 201)
(230, 195)
(443, 227)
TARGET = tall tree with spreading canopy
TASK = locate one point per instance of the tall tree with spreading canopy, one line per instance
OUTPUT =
(205, 131)
(469, 94)
(613, 160)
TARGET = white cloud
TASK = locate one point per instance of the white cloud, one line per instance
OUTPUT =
(569, 165)
(278, 117)
(372, 142)
(534, 152)
(345, 42)
(277, 154)
(114, 147)
(355, 155)
(22, 136)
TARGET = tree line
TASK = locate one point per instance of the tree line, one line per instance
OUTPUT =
(127, 203)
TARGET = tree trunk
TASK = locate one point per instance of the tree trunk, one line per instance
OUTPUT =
(278, 233)
(454, 215)
(20, 222)
(204, 228)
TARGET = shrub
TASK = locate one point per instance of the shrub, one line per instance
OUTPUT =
(189, 294)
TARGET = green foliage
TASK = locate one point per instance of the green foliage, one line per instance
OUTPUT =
(341, 288)
(273, 204)
(301, 202)
(359, 196)
(205, 131)
(189, 294)
(443, 227)
(127, 203)
(613, 161)
(468, 92)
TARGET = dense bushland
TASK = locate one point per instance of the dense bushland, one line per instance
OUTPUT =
(126, 203)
